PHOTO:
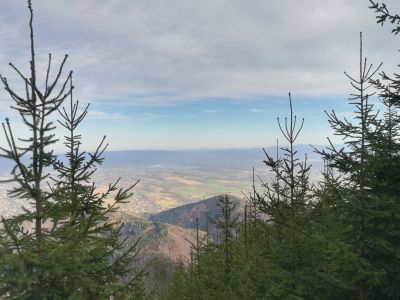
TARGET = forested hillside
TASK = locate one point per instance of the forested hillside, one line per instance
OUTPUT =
(337, 240)
(290, 238)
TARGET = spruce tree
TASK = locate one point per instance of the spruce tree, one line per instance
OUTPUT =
(227, 225)
(386, 177)
(368, 187)
(215, 268)
(383, 15)
(385, 187)
(63, 244)
(178, 287)
(284, 205)
(296, 252)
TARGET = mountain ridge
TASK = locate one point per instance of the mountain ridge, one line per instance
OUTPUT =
(204, 211)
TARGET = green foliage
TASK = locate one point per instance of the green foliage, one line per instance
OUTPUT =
(338, 239)
(63, 245)
(367, 191)
(213, 272)
(295, 240)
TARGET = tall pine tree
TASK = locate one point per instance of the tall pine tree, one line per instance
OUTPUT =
(368, 188)
(63, 244)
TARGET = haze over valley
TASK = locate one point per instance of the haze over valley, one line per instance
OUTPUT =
(207, 150)
(173, 178)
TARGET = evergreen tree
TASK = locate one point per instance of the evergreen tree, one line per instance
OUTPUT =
(284, 204)
(383, 16)
(178, 288)
(214, 271)
(227, 225)
(368, 188)
(63, 245)
(385, 190)
(221, 259)
(336, 240)
(297, 252)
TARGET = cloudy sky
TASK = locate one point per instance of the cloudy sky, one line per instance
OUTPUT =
(181, 74)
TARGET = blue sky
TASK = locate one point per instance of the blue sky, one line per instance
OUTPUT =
(213, 123)
(199, 74)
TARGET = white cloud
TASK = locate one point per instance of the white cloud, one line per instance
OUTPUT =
(100, 115)
(258, 110)
(209, 111)
(173, 51)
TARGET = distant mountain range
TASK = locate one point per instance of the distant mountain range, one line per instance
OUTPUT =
(225, 158)
(200, 158)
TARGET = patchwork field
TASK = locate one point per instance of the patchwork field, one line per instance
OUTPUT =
(162, 189)
(171, 178)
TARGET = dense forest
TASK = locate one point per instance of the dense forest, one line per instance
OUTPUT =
(294, 239)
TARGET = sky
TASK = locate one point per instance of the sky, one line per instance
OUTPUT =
(190, 74)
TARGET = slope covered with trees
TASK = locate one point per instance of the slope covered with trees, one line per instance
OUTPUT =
(338, 239)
